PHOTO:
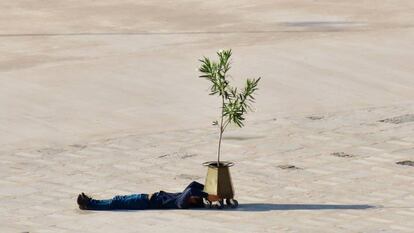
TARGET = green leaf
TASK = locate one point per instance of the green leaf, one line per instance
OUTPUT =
(236, 103)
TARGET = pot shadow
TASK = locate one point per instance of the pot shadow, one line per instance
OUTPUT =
(261, 207)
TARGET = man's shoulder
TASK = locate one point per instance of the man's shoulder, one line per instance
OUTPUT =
(196, 185)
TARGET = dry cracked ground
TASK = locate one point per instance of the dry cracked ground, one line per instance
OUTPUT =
(103, 97)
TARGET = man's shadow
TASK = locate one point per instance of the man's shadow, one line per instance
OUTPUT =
(259, 207)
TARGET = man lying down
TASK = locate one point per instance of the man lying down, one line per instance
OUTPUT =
(191, 197)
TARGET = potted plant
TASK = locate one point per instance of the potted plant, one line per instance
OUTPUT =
(235, 103)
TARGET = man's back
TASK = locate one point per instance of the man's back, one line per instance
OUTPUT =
(165, 200)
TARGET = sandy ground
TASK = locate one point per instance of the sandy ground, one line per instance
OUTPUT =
(103, 97)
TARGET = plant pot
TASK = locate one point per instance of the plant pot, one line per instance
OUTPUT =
(218, 181)
(218, 185)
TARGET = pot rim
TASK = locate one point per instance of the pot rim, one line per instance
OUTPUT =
(214, 164)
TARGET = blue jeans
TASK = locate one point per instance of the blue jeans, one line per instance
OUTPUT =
(127, 202)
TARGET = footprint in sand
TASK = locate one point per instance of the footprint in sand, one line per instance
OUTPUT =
(78, 146)
(177, 155)
(342, 155)
(399, 119)
(406, 163)
(315, 118)
(288, 167)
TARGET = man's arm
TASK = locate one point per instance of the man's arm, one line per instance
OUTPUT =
(188, 196)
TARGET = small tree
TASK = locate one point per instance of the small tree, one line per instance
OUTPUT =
(234, 103)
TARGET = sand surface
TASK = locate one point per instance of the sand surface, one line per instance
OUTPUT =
(103, 97)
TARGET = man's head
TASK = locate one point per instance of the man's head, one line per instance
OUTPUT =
(196, 201)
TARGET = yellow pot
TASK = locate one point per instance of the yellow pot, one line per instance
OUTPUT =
(218, 180)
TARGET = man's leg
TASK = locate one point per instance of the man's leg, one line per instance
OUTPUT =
(126, 202)
(131, 202)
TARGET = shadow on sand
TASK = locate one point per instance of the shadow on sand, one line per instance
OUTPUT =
(305, 26)
(259, 207)
(262, 207)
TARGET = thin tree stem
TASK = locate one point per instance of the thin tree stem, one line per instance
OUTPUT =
(221, 133)
(225, 125)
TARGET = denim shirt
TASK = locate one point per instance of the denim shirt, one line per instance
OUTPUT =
(165, 200)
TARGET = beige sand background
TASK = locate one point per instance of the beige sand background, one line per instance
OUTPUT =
(93, 94)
